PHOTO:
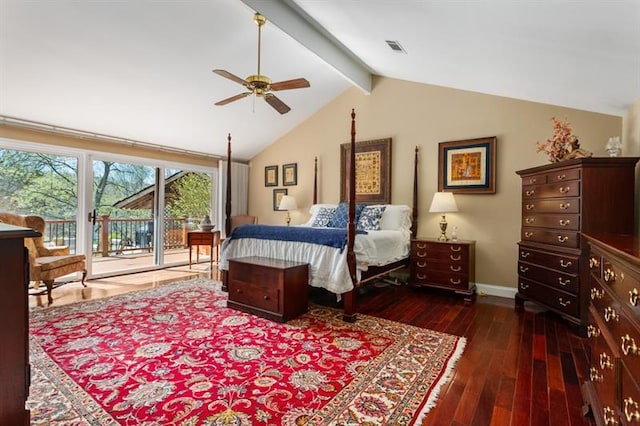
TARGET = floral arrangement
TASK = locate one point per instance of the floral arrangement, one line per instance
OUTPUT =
(561, 144)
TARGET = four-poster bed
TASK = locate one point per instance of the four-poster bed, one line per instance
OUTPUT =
(340, 268)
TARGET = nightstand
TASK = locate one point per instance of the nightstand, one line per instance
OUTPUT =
(448, 265)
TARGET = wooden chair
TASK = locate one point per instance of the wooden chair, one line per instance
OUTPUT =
(46, 263)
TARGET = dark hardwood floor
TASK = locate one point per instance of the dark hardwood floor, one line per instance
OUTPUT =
(518, 368)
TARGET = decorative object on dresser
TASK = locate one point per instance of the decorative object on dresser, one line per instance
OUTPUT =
(612, 391)
(564, 145)
(445, 265)
(443, 202)
(14, 319)
(288, 203)
(614, 146)
(269, 288)
(560, 200)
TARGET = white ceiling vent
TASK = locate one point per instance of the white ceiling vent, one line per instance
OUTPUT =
(395, 46)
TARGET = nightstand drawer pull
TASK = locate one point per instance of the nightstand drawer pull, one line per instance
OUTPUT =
(633, 297)
(610, 314)
(564, 190)
(421, 277)
(565, 264)
(421, 246)
(456, 248)
(631, 411)
(421, 254)
(563, 282)
(628, 345)
(455, 282)
(564, 206)
(564, 222)
(563, 303)
(455, 258)
(265, 297)
(524, 286)
(455, 268)
(562, 238)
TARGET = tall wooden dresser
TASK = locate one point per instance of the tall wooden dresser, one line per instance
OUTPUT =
(559, 201)
(14, 325)
(612, 391)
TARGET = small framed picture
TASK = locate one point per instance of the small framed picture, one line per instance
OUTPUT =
(271, 176)
(290, 174)
(277, 197)
(467, 166)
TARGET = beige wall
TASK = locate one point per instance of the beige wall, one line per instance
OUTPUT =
(417, 114)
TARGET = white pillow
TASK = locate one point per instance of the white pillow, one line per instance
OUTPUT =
(396, 217)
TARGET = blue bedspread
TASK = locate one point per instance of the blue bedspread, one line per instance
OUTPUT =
(333, 237)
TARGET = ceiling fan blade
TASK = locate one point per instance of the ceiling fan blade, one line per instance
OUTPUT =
(233, 98)
(276, 103)
(298, 83)
(230, 76)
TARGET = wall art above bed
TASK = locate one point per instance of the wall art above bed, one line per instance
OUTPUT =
(373, 171)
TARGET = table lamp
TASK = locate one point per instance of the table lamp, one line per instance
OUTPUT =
(288, 203)
(443, 202)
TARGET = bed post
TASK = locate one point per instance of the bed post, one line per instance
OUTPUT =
(414, 215)
(227, 220)
(349, 309)
(315, 181)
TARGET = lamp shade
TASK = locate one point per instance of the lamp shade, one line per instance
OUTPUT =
(443, 202)
(288, 203)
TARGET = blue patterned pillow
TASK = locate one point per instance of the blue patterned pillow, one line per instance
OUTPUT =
(324, 216)
(340, 218)
(370, 218)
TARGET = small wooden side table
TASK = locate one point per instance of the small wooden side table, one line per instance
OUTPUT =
(204, 238)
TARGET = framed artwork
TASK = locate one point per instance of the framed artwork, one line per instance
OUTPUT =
(277, 197)
(290, 174)
(373, 171)
(467, 166)
(271, 176)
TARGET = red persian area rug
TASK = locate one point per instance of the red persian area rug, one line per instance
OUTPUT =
(176, 355)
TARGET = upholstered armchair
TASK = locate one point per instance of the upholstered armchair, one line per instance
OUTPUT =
(46, 263)
(241, 219)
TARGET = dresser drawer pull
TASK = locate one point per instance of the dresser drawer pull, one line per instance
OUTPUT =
(455, 258)
(605, 361)
(530, 192)
(529, 206)
(421, 264)
(562, 177)
(525, 254)
(564, 206)
(610, 314)
(609, 416)
(456, 248)
(524, 269)
(529, 220)
(562, 238)
(528, 234)
(596, 294)
(565, 189)
(595, 375)
(563, 282)
(455, 282)
(593, 331)
(421, 254)
(524, 286)
(633, 297)
(609, 275)
(631, 411)
(565, 264)
(533, 180)
(563, 303)
(593, 262)
(564, 222)
(628, 345)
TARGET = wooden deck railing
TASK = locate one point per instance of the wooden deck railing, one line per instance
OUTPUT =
(120, 236)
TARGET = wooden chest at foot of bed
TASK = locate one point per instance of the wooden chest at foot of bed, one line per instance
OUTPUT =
(269, 288)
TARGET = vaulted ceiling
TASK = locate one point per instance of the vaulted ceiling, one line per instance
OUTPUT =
(142, 70)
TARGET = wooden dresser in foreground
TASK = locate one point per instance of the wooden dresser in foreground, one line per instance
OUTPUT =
(559, 201)
(448, 265)
(15, 373)
(612, 394)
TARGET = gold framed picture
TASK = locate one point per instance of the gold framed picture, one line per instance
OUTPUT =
(467, 166)
(373, 171)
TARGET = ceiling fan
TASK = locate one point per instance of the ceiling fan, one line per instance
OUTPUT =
(261, 85)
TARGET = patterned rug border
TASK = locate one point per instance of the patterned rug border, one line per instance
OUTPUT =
(93, 413)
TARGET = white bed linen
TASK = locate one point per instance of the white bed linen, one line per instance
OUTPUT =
(327, 265)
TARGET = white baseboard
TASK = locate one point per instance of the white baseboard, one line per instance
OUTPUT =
(496, 290)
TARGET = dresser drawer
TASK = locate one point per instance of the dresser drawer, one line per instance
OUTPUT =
(630, 401)
(553, 190)
(556, 221)
(624, 284)
(551, 277)
(555, 237)
(558, 300)
(260, 296)
(602, 372)
(561, 262)
(556, 205)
